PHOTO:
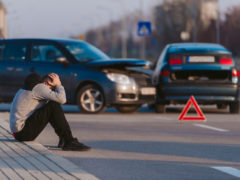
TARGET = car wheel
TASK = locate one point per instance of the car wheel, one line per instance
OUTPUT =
(160, 108)
(151, 106)
(128, 108)
(91, 100)
(235, 108)
(221, 106)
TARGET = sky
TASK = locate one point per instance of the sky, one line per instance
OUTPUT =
(62, 18)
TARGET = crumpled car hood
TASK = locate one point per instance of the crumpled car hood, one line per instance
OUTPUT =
(119, 63)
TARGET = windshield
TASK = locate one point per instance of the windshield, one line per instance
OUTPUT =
(84, 52)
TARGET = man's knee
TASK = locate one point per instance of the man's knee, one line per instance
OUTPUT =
(54, 107)
(54, 104)
(49, 108)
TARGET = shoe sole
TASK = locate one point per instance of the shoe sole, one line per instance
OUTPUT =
(72, 149)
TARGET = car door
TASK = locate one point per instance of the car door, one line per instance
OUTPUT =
(13, 68)
(44, 58)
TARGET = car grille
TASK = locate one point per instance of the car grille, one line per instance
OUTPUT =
(147, 98)
(142, 80)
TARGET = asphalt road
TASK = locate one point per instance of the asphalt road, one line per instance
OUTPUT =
(151, 146)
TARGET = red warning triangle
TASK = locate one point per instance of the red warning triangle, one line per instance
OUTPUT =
(185, 110)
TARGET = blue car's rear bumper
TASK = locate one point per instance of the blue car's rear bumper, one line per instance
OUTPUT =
(205, 94)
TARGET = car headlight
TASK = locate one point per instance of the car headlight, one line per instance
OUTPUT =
(119, 78)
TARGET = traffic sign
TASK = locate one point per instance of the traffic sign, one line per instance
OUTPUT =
(193, 101)
(144, 28)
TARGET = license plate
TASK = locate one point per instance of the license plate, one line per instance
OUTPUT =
(200, 59)
(148, 91)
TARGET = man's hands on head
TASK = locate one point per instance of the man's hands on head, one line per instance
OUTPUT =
(55, 80)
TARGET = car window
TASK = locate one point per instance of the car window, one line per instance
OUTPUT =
(85, 52)
(13, 52)
(161, 58)
(45, 53)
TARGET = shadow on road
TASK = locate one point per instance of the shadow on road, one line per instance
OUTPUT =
(220, 152)
(145, 109)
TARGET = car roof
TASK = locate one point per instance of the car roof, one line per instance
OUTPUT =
(196, 47)
(41, 40)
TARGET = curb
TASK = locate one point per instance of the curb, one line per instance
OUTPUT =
(58, 161)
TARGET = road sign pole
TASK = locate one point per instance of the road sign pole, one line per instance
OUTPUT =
(143, 48)
(143, 45)
(144, 29)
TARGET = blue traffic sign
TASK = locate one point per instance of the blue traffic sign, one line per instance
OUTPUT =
(144, 29)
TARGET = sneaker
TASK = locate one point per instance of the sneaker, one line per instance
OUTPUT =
(75, 145)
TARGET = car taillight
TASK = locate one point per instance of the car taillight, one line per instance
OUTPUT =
(175, 61)
(235, 73)
(164, 73)
(226, 61)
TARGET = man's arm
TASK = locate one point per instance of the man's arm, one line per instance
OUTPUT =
(44, 90)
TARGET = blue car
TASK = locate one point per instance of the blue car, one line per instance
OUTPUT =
(206, 71)
(91, 79)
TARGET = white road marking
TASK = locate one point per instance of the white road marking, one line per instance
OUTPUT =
(229, 170)
(164, 118)
(211, 127)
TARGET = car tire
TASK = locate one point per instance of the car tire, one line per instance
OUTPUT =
(91, 100)
(235, 107)
(128, 108)
(151, 106)
(160, 108)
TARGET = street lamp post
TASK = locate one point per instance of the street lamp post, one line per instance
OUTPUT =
(123, 30)
(194, 14)
(112, 33)
(124, 36)
(218, 24)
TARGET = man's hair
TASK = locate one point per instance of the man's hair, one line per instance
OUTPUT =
(46, 78)
(32, 80)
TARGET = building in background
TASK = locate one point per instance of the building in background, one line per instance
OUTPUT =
(208, 12)
(3, 29)
(187, 20)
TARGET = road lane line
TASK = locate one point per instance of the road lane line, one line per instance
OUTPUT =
(229, 170)
(164, 118)
(211, 127)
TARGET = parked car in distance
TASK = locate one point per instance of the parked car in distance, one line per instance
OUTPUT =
(206, 71)
(91, 79)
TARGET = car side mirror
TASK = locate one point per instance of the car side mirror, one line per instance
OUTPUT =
(62, 60)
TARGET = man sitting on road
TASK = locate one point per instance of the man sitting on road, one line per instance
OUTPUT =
(38, 103)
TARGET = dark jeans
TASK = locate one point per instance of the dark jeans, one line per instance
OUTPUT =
(50, 113)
